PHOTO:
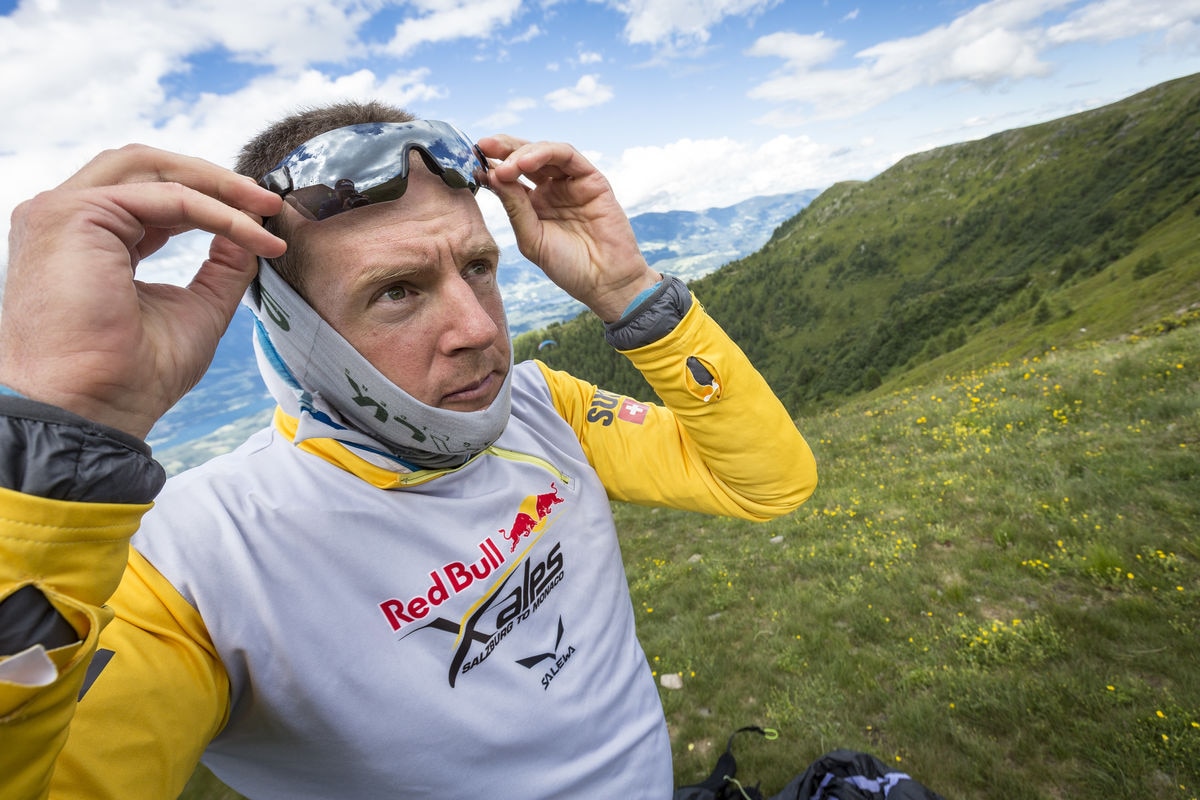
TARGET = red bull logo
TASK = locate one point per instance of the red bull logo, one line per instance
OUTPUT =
(451, 579)
(531, 516)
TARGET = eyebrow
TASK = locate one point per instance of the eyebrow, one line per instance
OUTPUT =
(484, 250)
(389, 273)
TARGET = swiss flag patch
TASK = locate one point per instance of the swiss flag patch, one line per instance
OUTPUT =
(632, 411)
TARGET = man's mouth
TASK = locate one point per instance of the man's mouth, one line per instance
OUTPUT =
(475, 395)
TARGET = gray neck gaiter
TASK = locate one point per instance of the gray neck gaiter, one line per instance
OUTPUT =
(318, 377)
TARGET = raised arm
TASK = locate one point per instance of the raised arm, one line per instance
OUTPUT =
(78, 331)
(90, 357)
(724, 443)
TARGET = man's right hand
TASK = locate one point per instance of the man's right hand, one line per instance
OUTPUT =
(78, 331)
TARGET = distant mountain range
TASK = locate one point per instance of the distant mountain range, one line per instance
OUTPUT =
(689, 244)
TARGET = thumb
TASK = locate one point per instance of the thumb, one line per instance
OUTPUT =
(223, 278)
(526, 224)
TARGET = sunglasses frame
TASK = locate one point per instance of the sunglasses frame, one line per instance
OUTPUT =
(375, 157)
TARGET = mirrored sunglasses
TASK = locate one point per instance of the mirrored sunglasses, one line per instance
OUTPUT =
(358, 165)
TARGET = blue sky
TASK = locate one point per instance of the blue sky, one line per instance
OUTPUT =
(685, 104)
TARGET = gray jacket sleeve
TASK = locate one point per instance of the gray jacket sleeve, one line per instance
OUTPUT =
(52, 453)
(653, 318)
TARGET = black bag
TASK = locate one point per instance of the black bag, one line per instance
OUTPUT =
(838, 775)
(850, 775)
(721, 784)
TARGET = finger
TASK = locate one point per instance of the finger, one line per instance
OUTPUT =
(222, 279)
(142, 164)
(518, 158)
(176, 208)
(498, 146)
(555, 160)
(498, 149)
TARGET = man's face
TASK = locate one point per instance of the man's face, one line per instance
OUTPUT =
(411, 284)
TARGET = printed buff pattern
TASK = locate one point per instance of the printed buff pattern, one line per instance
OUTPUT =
(465, 645)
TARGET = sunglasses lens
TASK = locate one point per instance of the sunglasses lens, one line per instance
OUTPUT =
(359, 165)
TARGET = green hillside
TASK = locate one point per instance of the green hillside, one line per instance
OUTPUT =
(996, 587)
(1075, 230)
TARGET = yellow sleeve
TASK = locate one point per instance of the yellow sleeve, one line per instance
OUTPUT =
(75, 554)
(164, 694)
(728, 448)
(141, 722)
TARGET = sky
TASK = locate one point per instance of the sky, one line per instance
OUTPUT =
(684, 104)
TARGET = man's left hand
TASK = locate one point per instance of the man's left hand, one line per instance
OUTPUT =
(568, 221)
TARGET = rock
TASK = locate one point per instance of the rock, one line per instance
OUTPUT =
(671, 680)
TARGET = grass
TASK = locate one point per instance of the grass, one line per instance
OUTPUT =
(996, 587)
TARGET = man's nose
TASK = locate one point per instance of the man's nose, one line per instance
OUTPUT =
(469, 322)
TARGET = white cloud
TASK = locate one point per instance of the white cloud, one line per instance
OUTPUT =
(96, 71)
(506, 117)
(1183, 37)
(1109, 20)
(799, 51)
(675, 23)
(587, 92)
(589, 58)
(447, 20)
(994, 42)
(696, 174)
(529, 34)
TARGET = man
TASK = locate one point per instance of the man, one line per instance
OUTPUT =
(343, 198)
(409, 585)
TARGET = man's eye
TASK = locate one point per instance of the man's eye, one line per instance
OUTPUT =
(479, 268)
(395, 293)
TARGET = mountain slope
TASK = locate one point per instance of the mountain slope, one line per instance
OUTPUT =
(1081, 228)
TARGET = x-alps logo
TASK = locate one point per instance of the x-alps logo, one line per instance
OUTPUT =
(511, 592)
(513, 602)
(607, 408)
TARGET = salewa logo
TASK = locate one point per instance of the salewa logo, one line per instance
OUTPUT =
(557, 661)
